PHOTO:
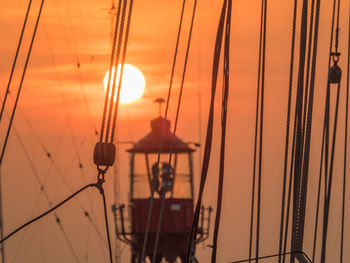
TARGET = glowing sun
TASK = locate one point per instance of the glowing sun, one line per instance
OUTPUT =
(133, 83)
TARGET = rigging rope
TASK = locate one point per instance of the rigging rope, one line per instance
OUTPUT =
(150, 207)
(345, 146)
(15, 60)
(97, 185)
(209, 135)
(101, 157)
(111, 98)
(258, 138)
(274, 256)
(324, 147)
(289, 197)
(108, 90)
(286, 147)
(43, 190)
(225, 93)
(329, 163)
(121, 70)
(309, 109)
(21, 82)
(47, 212)
(162, 205)
(300, 179)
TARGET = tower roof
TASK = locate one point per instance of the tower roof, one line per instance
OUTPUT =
(161, 138)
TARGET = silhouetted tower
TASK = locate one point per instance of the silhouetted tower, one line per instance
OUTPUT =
(175, 181)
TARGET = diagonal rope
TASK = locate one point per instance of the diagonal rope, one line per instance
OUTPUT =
(162, 205)
(209, 135)
(345, 148)
(21, 83)
(258, 138)
(150, 207)
(15, 60)
(46, 212)
(298, 202)
(108, 90)
(116, 61)
(262, 87)
(286, 147)
(43, 190)
(225, 93)
(121, 70)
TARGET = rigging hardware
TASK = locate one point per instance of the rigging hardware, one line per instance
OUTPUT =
(334, 73)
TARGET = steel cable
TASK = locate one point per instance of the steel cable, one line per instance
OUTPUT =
(258, 135)
(345, 147)
(121, 70)
(150, 207)
(162, 205)
(225, 93)
(209, 135)
(21, 82)
(46, 213)
(299, 143)
(286, 147)
(108, 89)
(116, 61)
(15, 60)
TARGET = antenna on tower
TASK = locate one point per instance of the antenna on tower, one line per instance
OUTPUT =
(160, 101)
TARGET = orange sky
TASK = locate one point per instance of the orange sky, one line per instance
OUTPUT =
(72, 31)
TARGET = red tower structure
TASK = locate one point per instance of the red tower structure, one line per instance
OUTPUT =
(174, 182)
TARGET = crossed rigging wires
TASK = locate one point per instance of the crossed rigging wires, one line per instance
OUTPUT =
(224, 23)
(103, 154)
(162, 205)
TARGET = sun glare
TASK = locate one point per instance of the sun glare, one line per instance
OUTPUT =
(133, 83)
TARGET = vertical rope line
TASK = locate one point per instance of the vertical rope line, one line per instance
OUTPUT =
(121, 70)
(225, 93)
(318, 199)
(21, 83)
(326, 125)
(174, 60)
(309, 119)
(110, 70)
(256, 136)
(289, 192)
(116, 61)
(337, 28)
(286, 148)
(15, 60)
(345, 148)
(161, 214)
(296, 239)
(150, 207)
(261, 132)
(330, 180)
(209, 135)
(106, 223)
(329, 65)
(308, 68)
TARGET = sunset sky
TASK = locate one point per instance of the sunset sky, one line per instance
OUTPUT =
(61, 106)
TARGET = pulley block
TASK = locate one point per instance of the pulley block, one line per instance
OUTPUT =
(334, 74)
(104, 154)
